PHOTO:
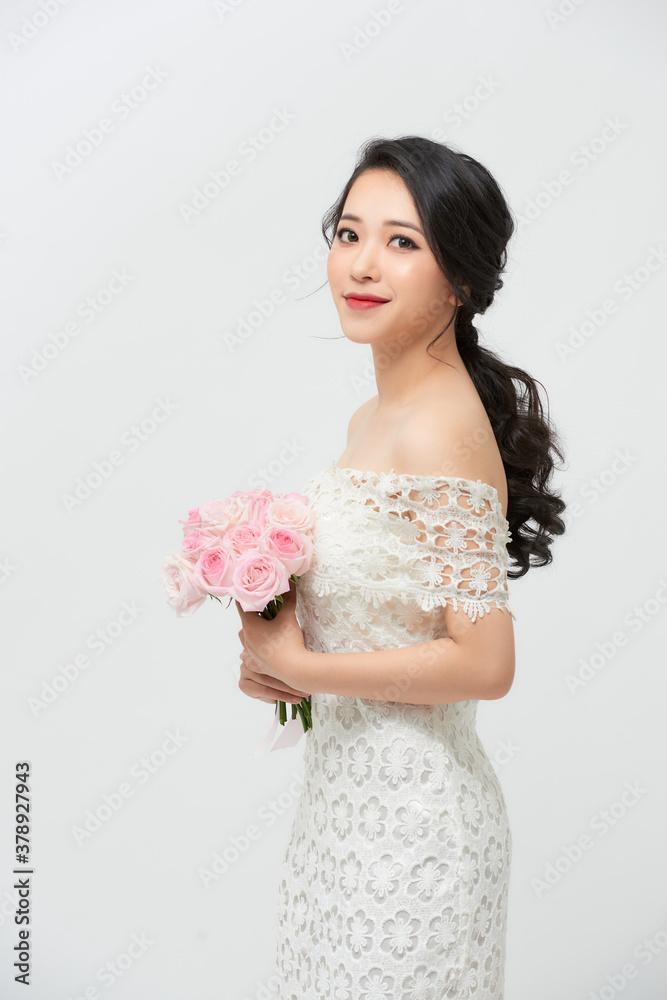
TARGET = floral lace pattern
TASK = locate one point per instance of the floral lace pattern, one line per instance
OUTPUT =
(426, 540)
(394, 881)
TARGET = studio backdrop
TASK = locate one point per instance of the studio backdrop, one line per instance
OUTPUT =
(169, 337)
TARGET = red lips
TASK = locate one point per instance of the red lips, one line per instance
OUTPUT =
(366, 298)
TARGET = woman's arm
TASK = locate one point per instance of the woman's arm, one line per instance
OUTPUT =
(478, 664)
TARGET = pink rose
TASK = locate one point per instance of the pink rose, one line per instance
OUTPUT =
(213, 571)
(258, 578)
(291, 513)
(196, 542)
(254, 503)
(243, 538)
(183, 595)
(220, 515)
(255, 509)
(293, 549)
(192, 522)
(251, 494)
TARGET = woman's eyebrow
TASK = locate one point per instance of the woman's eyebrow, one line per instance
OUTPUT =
(387, 222)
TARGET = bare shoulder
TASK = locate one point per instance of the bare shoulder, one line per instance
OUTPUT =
(359, 416)
(452, 437)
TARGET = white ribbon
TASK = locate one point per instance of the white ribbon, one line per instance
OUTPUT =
(290, 736)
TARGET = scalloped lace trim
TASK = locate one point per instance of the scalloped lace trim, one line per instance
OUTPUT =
(474, 607)
(431, 541)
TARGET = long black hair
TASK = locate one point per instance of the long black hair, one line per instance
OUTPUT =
(468, 223)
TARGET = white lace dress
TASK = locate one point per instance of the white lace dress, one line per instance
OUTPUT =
(394, 881)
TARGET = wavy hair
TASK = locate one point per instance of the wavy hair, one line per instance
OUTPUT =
(468, 223)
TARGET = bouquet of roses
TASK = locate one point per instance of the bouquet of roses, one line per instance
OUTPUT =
(247, 546)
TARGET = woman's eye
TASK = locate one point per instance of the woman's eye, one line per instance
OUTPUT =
(407, 240)
(410, 243)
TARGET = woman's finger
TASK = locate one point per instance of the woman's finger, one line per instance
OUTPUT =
(264, 693)
(254, 690)
(250, 667)
(277, 689)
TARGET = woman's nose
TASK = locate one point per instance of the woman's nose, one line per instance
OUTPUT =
(365, 263)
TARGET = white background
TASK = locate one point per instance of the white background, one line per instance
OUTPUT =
(553, 82)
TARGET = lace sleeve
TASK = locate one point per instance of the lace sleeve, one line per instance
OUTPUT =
(424, 540)
(462, 538)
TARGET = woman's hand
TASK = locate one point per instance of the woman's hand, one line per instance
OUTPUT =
(276, 653)
(264, 687)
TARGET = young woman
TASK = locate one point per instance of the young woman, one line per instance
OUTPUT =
(395, 878)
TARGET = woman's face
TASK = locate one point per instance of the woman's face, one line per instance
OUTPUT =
(378, 253)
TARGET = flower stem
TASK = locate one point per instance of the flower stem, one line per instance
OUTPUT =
(306, 709)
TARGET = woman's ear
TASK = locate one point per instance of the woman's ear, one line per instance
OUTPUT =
(451, 295)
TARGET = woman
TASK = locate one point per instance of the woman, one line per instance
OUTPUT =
(395, 878)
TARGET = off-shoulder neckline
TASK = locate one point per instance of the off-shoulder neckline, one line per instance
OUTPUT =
(369, 474)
